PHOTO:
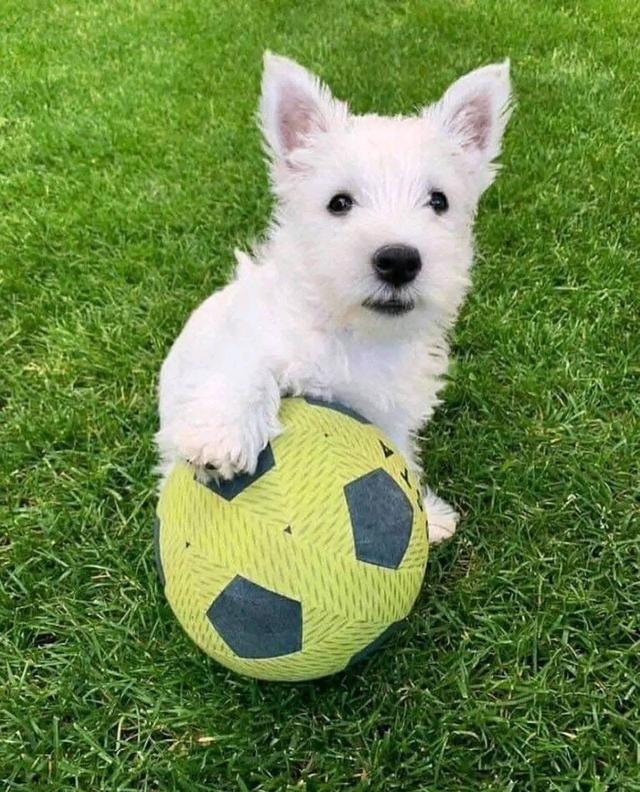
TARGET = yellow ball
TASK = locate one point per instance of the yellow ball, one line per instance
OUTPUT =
(304, 567)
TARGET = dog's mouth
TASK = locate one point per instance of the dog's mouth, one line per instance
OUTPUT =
(394, 306)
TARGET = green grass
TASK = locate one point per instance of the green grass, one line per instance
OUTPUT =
(129, 168)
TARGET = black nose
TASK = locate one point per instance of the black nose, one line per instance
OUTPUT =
(397, 264)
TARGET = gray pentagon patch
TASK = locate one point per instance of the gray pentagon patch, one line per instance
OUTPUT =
(229, 489)
(255, 622)
(156, 551)
(371, 648)
(337, 407)
(381, 519)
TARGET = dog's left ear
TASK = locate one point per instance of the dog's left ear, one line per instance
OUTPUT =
(295, 107)
(474, 111)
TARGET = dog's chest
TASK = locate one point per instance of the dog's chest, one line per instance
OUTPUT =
(373, 362)
(365, 373)
(374, 376)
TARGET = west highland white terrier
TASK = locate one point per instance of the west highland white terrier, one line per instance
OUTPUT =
(364, 269)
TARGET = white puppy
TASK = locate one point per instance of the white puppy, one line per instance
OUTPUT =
(352, 294)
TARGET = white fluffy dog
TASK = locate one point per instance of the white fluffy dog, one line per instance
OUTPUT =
(352, 294)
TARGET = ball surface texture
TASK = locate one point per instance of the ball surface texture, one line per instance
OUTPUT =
(304, 567)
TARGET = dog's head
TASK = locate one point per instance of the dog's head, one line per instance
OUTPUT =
(377, 211)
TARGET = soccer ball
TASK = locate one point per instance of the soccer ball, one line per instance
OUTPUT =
(304, 567)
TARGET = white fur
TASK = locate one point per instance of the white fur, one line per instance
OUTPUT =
(293, 320)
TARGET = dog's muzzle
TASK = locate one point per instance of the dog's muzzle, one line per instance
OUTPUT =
(394, 306)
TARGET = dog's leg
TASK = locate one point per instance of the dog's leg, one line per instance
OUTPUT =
(219, 399)
(222, 429)
(442, 518)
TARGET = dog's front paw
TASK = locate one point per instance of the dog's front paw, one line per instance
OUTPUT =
(227, 449)
(220, 443)
(442, 519)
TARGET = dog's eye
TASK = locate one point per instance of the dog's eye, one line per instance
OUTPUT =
(340, 204)
(438, 202)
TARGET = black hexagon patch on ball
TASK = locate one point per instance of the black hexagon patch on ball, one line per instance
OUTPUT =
(156, 551)
(255, 622)
(371, 648)
(381, 519)
(337, 406)
(230, 489)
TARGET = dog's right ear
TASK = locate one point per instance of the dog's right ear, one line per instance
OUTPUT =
(295, 107)
(474, 112)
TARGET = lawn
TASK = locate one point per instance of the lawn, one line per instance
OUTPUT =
(130, 167)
